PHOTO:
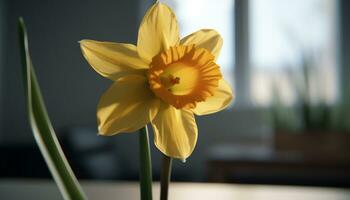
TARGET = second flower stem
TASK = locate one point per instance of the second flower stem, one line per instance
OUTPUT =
(165, 177)
(145, 165)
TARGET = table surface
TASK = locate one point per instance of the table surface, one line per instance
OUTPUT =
(44, 189)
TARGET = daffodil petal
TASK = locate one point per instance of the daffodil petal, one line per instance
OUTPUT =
(175, 131)
(205, 38)
(158, 31)
(219, 101)
(126, 106)
(112, 60)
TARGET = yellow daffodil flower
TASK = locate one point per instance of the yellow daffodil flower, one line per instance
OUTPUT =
(163, 81)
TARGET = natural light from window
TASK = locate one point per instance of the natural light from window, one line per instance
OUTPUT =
(288, 41)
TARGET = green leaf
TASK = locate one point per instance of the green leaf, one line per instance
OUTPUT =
(42, 128)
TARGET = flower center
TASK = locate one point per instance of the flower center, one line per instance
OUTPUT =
(184, 75)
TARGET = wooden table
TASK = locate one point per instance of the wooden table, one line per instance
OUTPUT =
(47, 190)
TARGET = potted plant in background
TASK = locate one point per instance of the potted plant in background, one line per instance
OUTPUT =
(314, 126)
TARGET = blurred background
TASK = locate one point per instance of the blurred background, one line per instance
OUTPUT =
(288, 62)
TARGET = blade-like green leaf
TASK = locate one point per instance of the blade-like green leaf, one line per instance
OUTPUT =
(42, 127)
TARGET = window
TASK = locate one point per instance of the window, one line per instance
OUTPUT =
(293, 45)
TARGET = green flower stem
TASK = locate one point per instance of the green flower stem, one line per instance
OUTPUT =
(165, 177)
(43, 131)
(145, 165)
